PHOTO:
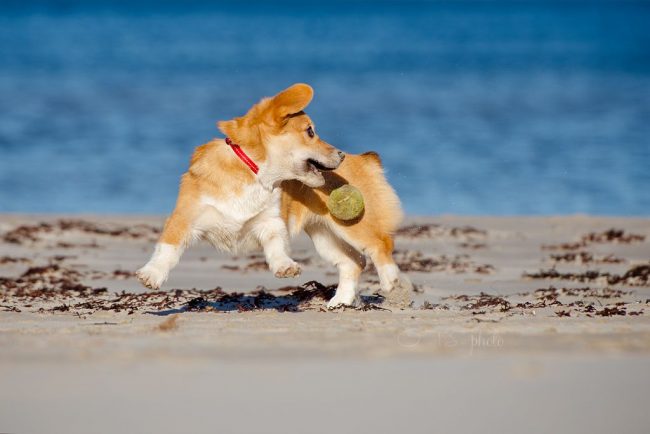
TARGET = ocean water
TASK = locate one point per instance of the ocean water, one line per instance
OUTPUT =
(476, 107)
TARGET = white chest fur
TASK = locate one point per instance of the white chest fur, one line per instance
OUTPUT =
(227, 222)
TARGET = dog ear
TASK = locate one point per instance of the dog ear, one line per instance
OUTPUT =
(292, 100)
(240, 131)
(229, 128)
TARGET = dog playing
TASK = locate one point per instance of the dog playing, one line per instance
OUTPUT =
(271, 178)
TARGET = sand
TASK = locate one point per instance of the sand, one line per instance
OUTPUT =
(518, 325)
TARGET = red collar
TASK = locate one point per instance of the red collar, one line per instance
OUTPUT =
(242, 155)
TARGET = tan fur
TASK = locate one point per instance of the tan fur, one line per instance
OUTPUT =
(202, 178)
(373, 231)
(222, 200)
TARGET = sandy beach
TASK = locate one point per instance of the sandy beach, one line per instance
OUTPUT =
(509, 131)
(512, 318)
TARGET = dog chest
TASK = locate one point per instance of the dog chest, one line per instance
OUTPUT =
(223, 221)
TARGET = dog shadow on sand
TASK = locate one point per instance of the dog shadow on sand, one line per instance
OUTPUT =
(309, 297)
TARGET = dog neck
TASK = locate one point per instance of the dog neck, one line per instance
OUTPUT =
(264, 175)
(242, 155)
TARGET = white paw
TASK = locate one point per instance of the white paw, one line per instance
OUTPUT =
(287, 268)
(346, 299)
(151, 276)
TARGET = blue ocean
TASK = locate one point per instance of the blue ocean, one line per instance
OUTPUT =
(484, 107)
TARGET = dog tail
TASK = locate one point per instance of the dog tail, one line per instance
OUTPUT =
(389, 212)
(372, 156)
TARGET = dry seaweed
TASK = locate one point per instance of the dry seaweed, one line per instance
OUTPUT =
(13, 260)
(196, 304)
(427, 305)
(61, 258)
(472, 246)
(609, 236)
(32, 233)
(23, 233)
(637, 275)
(260, 265)
(487, 300)
(611, 311)
(122, 274)
(481, 301)
(365, 307)
(613, 236)
(65, 245)
(231, 267)
(416, 261)
(486, 320)
(432, 230)
(57, 289)
(576, 301)
(311, 290)
(584, 257)
(420, 230)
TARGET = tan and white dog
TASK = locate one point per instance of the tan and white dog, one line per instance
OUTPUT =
(270, 178)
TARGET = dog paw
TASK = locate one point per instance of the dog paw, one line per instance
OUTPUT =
(347, 299)
(151, 277)
(287, 269)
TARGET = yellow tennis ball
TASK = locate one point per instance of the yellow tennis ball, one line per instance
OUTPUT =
(345, 202)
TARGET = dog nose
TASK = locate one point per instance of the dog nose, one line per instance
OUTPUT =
(342, 155)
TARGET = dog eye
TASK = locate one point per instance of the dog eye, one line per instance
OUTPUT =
(310, 131)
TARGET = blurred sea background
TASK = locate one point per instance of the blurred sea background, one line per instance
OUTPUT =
(487, 107)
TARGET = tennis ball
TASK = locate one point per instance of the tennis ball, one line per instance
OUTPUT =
(345, 202)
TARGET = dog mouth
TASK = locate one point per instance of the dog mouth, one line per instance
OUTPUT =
(317, 166)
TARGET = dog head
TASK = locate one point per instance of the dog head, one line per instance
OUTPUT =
(279, 132)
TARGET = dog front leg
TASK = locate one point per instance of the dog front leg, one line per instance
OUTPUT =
(274, 238)
(168, 251)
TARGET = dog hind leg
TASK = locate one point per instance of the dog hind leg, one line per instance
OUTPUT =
(379, 246)
(395, 284)
(349, 261)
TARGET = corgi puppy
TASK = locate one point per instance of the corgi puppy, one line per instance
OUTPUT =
(270, 178)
